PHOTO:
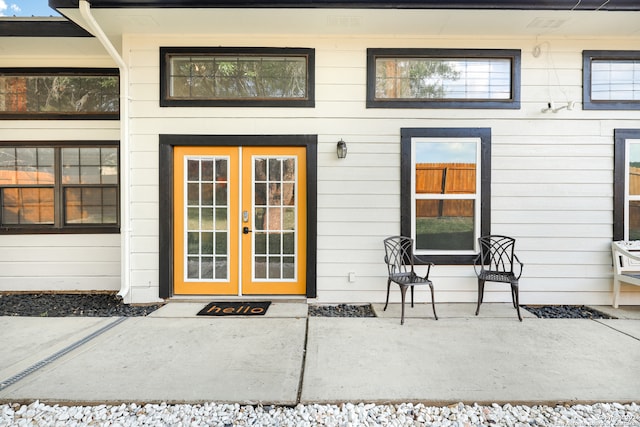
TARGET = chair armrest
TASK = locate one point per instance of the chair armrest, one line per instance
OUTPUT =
(477, 264)
(515, 257)
(429, 264)
(620, 247)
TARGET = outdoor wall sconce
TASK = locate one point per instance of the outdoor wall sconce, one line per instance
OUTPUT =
(341, 149)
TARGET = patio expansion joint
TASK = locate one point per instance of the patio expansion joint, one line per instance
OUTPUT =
(55, 356)
(617, 330)
(304, 361)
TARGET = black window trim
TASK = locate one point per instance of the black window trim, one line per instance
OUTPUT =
(165, 101)
(53, 71)
(406, 171)
(620, 137)
(513, 54)
(58, 196)
(612, 55)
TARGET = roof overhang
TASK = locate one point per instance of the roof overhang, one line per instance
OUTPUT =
(610, 5)
(40, 27)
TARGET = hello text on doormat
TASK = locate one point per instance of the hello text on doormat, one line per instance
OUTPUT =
(232, 308)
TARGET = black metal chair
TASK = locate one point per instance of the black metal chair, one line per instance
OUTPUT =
(400, 263)
(496, 262)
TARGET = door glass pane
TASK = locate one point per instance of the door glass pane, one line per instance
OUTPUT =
(260, 267)
(274, 187)
(221, 219)
(206, 219)
(288, 267)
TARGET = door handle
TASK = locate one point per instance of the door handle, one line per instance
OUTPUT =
(246, 230)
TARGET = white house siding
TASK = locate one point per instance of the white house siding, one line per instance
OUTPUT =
(58, 262)
(552, 174)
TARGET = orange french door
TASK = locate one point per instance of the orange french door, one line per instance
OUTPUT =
(239, 220)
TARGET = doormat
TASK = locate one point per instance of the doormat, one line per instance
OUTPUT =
(232, 308)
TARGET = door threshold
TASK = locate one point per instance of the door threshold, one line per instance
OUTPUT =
(209, 298)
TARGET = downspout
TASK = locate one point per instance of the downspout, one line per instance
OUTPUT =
(125, 197)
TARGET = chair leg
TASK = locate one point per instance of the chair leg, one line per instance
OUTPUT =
(616, 292)
(403, 293)
(388, 288)
(515, 294)
(480, 295)
(412, 296)
(433, 303)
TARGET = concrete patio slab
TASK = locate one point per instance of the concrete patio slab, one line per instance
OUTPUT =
(629, 327)
(144, 359)
(27, 340)
(469, 360)
(622, 312)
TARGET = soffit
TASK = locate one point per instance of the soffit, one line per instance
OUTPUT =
(365, 4)
(59, 48)
(116, 22)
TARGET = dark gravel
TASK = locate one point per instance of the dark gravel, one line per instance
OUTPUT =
(341, 310)
(566, 312)
(70, 305)
(109, 305)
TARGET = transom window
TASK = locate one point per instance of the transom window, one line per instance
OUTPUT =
(237, 77)
(443, 78)
(445, 191)
(36, 93)
(611, 80)
(59, 188)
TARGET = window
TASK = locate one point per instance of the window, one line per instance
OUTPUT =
(445, 191)
(443, 78)
(56, 188)
(207, 77)
(47, 93)
(626, 191)
(611, 80)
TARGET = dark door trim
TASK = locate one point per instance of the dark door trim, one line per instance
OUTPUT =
(167, 142)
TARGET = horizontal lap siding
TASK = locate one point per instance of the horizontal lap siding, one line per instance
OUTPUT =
(54, 262)
(552, 183)
(60, 262)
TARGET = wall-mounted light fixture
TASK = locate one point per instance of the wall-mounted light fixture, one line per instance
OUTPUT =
(341, 149)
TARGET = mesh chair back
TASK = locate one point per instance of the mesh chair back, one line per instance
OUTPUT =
(497, 253)
(398, 254)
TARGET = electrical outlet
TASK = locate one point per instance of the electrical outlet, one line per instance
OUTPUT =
(352, 276)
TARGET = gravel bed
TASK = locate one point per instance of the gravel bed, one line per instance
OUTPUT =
(70, 305)
(566, 312)
(347, 414)
(107, 305)
(341, 310)
(542, 311)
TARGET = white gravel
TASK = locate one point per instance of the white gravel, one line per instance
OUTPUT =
(345, 415)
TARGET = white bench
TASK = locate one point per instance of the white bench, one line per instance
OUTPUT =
(626, 265)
